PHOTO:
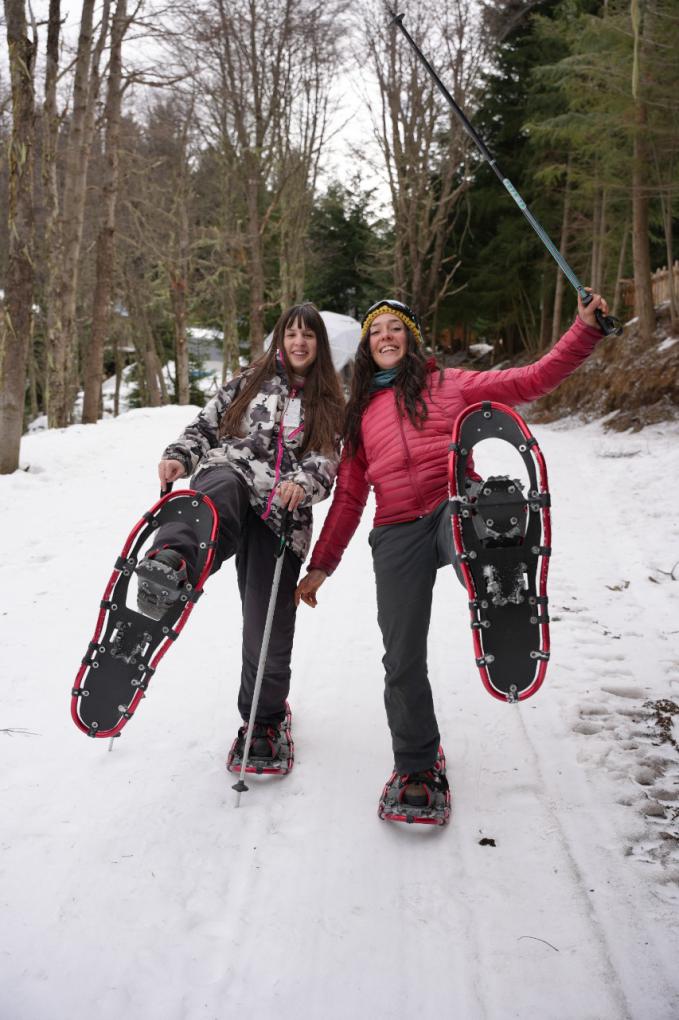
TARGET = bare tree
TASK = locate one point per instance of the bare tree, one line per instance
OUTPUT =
(422, 144)
(15, 337)
(106, 238)
(263, 70)
(152, 383)
(160, 211)
(302, 128)
(64, 256)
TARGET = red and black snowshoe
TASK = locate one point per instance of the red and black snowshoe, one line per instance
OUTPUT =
(272, 751)
(128, 645)
(421, 798)
(502, 540)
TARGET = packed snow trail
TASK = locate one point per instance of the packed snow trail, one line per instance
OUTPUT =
(130, 885)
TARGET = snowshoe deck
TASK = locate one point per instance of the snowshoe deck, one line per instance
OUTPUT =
(127, 646)
(503, 542)
(392, 806)
(282, 757)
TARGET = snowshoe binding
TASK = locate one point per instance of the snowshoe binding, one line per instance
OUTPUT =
(272, 751)
(502, 539)
(417, 797)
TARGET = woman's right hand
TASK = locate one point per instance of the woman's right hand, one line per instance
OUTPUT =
(169, 471)
(308, 586)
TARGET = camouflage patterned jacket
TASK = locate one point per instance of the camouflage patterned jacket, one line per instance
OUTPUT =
(268, 454)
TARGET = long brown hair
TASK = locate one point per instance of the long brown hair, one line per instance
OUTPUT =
(411, 382)
(322, 394)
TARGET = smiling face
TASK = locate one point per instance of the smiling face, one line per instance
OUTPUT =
(300, 346)
(388, 340)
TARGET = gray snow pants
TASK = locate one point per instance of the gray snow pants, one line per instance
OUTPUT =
(406, 558)
(242, 533)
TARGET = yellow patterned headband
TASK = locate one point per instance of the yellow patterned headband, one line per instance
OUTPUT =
(403, 313)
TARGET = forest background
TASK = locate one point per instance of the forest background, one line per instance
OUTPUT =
(169, 165)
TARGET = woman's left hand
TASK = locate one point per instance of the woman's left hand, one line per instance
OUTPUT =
(290, 495)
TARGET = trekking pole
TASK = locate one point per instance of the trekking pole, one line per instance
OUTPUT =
(240, 786)
(608, 324)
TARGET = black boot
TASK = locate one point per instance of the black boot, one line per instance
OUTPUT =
(417, 796)
(272, 751)
(162, 576)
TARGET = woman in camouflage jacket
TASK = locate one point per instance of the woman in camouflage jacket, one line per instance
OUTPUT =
(267, 441)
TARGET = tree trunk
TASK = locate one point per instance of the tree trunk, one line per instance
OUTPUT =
(643, 291)
(545, 324)
(560, 282)
(119, 376)
(50, 180)
(621, 268)
(144, 340)
(16, 338)
(33, 409)
(160, 368)
(601, 254)
(178, 297)
(666, 206)
(153, 371)
(596, 240)
(256, 267)
(85, 92)
(106, 239)
(230, 363)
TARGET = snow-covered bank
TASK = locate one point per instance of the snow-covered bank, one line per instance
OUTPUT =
(130, 885)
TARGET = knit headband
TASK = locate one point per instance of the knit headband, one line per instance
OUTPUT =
(401, 311)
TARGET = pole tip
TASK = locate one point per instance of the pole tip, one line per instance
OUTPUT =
(396, 19)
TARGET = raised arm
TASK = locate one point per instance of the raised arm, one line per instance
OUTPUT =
(520, 385)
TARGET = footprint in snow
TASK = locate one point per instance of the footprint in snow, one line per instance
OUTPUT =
(643, 758)
(587, 728)
(624, 692)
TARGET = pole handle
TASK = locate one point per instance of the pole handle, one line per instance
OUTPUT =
(608, 324)
(286, 521)
(165, 491)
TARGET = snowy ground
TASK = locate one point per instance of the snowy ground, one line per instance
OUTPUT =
(130, 887)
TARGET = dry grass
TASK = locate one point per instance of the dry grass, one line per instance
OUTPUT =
(627, 377)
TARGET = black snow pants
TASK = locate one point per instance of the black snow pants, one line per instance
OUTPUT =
(242, 533)
(405, 558)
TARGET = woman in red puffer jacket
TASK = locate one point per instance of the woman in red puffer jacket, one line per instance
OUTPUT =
(397, 431)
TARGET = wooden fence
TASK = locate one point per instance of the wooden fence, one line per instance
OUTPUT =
(660, 282)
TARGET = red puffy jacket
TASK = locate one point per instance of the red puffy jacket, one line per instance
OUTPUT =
(408, 467)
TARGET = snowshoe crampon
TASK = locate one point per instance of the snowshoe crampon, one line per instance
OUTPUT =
(502, 541)
(421, 798)
(128, 645)
(272, 751)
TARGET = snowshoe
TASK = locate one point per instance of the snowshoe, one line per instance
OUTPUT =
(272, 751)
(417, 797)
(127, 644)
(502, 542)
